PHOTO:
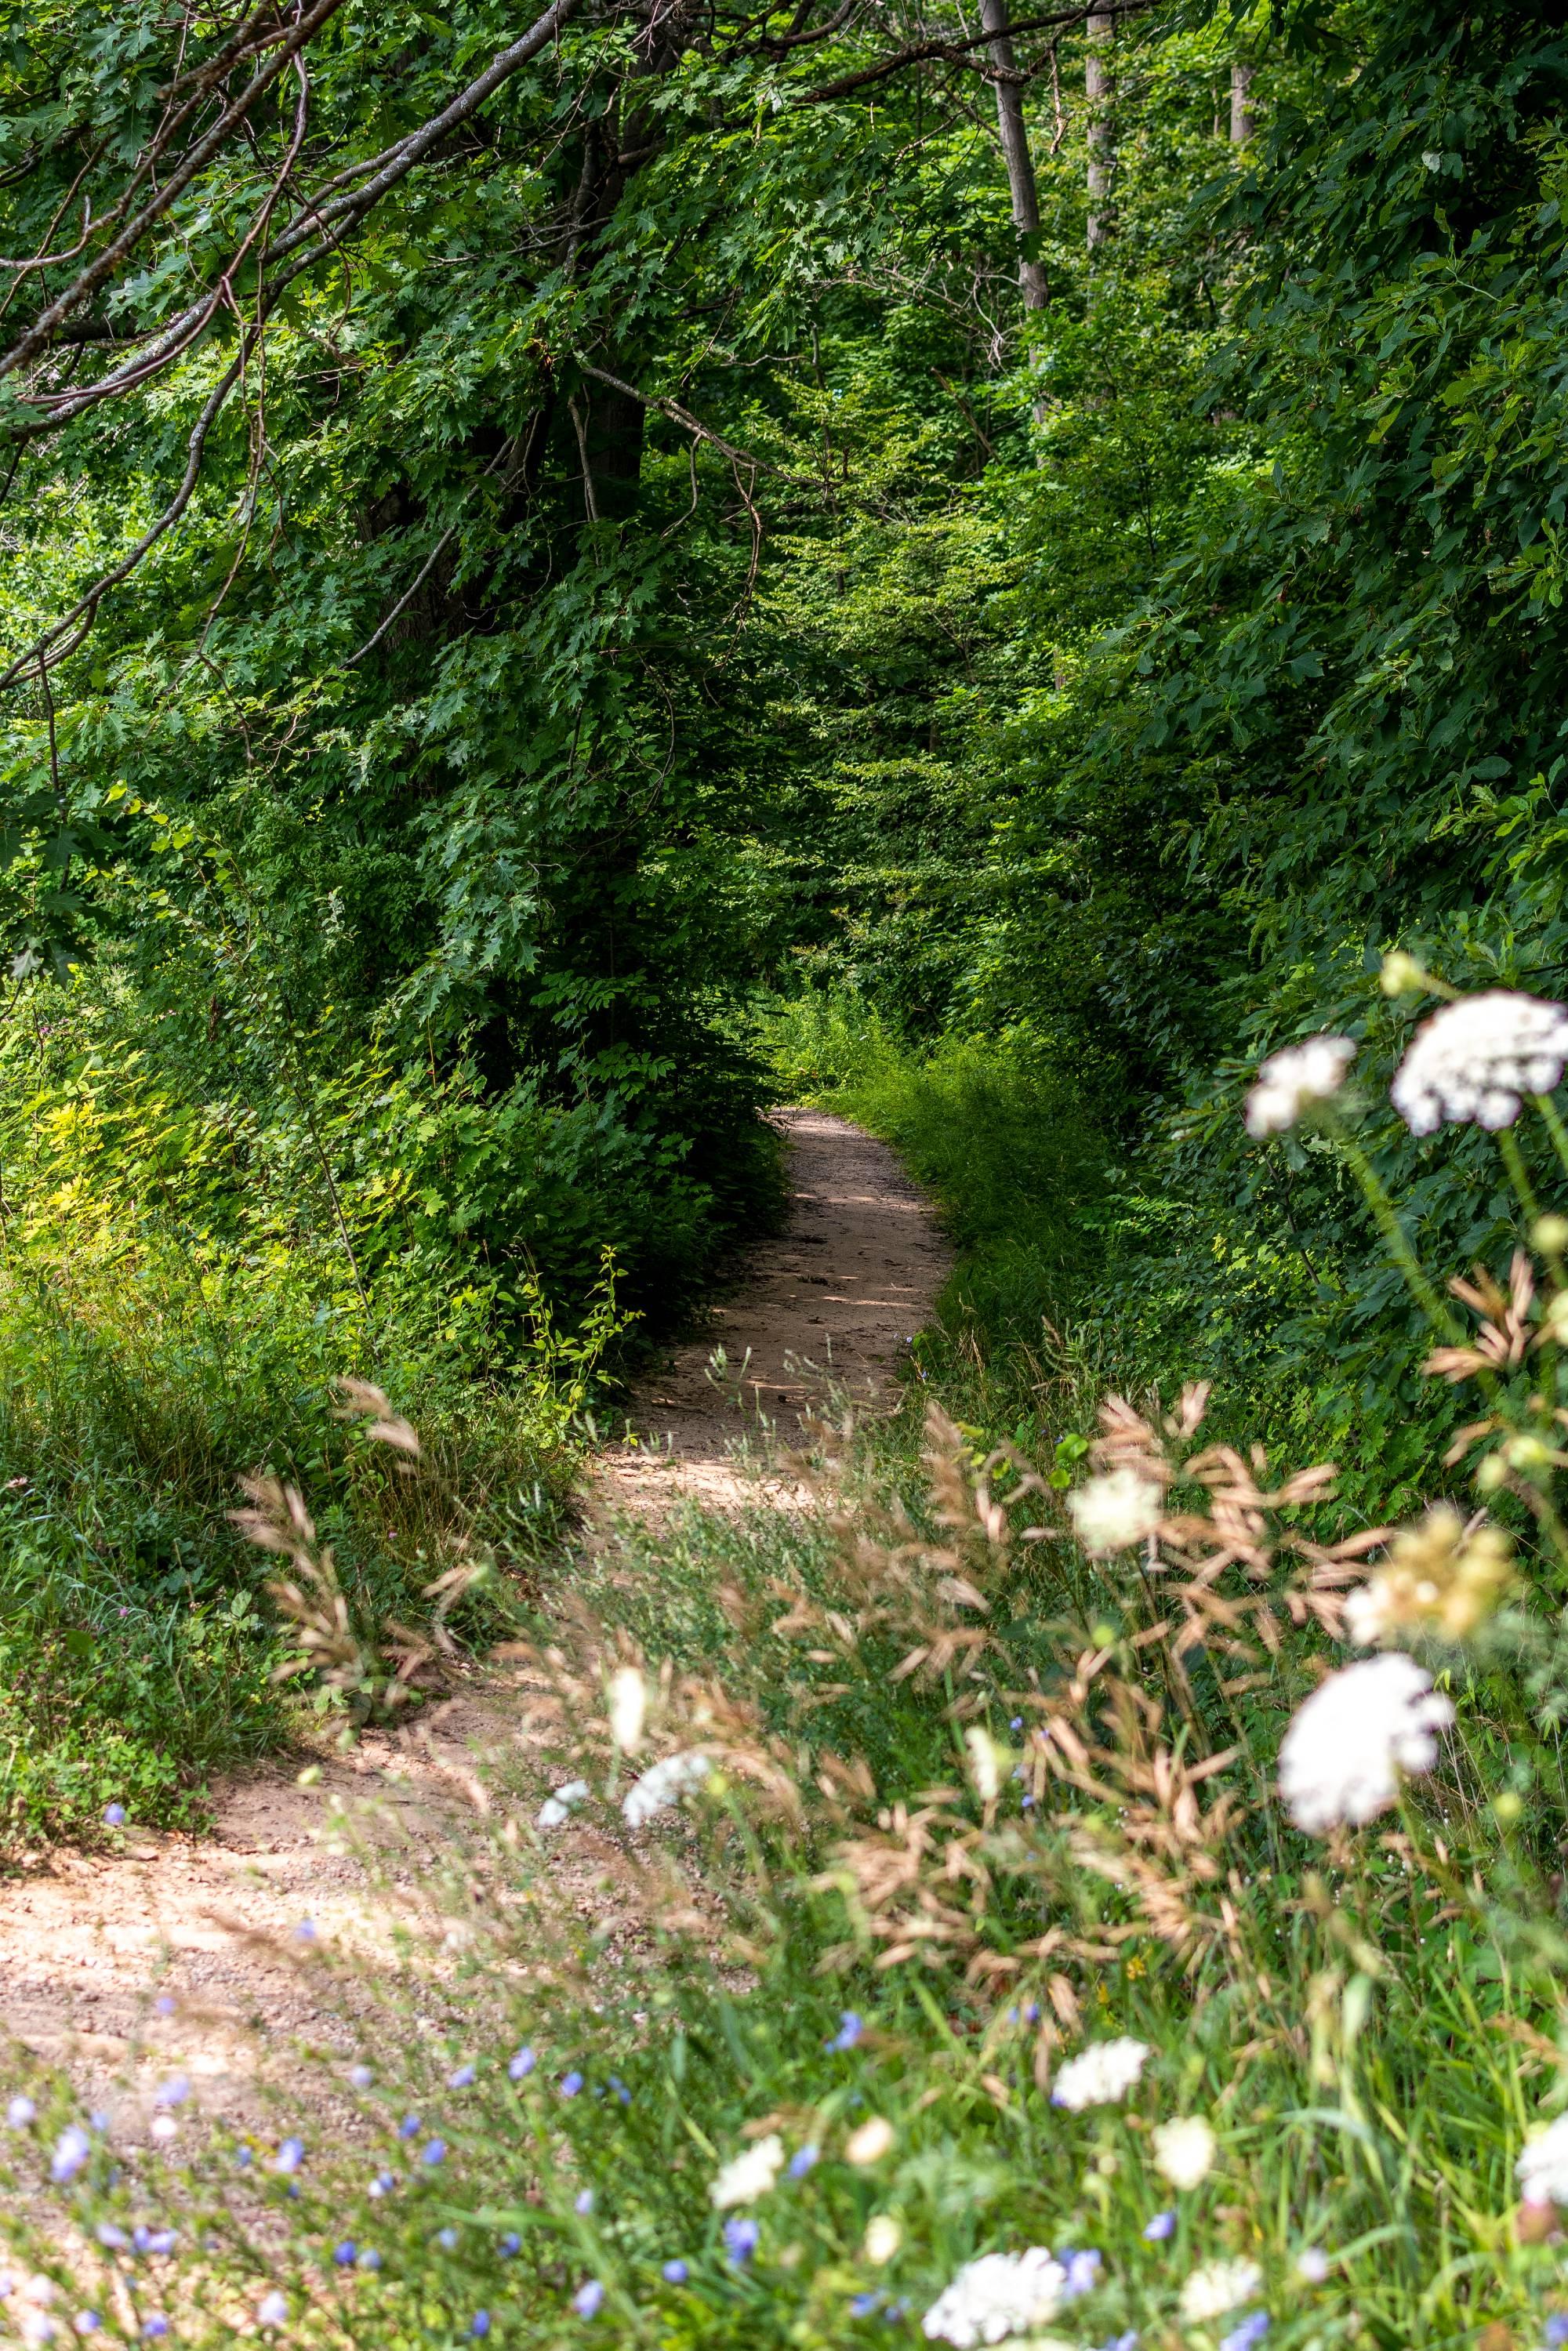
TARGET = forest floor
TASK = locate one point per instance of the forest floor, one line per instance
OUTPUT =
(189, 1948)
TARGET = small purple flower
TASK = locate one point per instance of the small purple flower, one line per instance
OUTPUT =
(1248, 2335)
(361, 2076)
(522, 2065)
(20, 2113)
(584, 2204)
(72, 2149)
(510, 2243)
(113, 2240)
(849, 2030)
(572, 2085)
(114, 1816)
(1082, 2273)
(86, 2321)
(383, 2183)
(740, 2240)
(98, 2120)
(171, 2093)
(272, 2310)
(447, 2239)
(370, 2258)
(433, 2152)
(861, 2305)
(346, 2254)
(1017, 1722)
(410, 2127)
(802, 2161)
(480, 2322)
(166, 2004)
(290, 2154)
(587, 2299)
(622, 2094)
(1128, 2342)
(159, 2240)
(461, 2079)
(1557, 2328)
(155, 2325)
(1162, 2226)
(675, 2272)
(1031, 2011)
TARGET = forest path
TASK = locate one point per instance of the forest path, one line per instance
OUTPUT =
(210, 1926)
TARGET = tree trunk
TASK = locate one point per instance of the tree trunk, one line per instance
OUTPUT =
(1014, 132)
(1242, 120)
(1099, 28)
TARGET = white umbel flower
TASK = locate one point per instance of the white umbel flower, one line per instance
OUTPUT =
(1112, 1513)
(748, 2175)
(1289, 1081)
(557, 1805)
(1342, 1754)
(999, 2295)
(1476, 1059)
(1216, 2287)
(1105, 2072)
(1185, 2150)
(628, 1702)
(1542, 2169)
(664, 1784)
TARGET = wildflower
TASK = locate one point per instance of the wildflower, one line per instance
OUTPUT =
(1248, 2335)
(410, 2127)
(1162, 2226)
(509, 2244)
(557, 1805)
(1219, 2287)
(849, 2030)
(622, 2094)
(36, 2326)
(163, 2128)
(272, 2310)
(584, 2204)
(433, 2152)
(383, 2183)
(987, 1762)
(114, 1816)
(1082, 2274)
(1557, 2328)
(1112, 1513)
(883, 2238)
(306, 1931)
(72, 2149)
(447, 2240)
(864, 2305)
(802, 2161)
(1401, 973)
(664, 1784)
(675, 2272)
(370, 2258)
(462, 2079)
(1185, 2150)
(155, 2325)
(479, 2324)
(115, 2240)
(522, 2065)
(20, 2113)
(1476, 1059)
(871, 2142)
(1342, 1752)
(1435, 1580)
(628, 1697)
(749, 2175)
(1312, 2265)
(86, 2321)
(1290, 1081)
(740, 2240)
(571, 2084)
(587, 2299)
(166, 2004)
(361, 2076)
(1542, 2169)
(998, 2295)
(345, 2253)
(1105, 2072)
(289, 2155)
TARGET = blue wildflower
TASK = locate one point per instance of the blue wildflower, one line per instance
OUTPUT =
(171, 2093)
(572, 2085)
(802, 2160)
(346, 2254)
(410, 2127)
(584, 2204)
(1248, 2335)
(370, 2258)
(166, 2004)
(862, 2304)
(86, 2321)
(361, 2076)
(522, 2065)
(510, 2243)
(587, 2299)
(155, 2325)
(433, 2152)
(480, 2322)
(383, 2183)
(72, 2149)
(1128, 2342)
(114, 1816)
(849, 2030)
(290, 2154)
(306, 1931)
(622, 2093)
(447, 2238)
(675, 2272)
(1082, 2273)
(741, 2238)
(461, 2078)
(1162, 2226)
(1557, 2328)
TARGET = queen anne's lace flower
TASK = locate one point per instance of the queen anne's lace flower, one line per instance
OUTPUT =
(1476, 1059)
(1290, 1080)
(1542, 2169)
(1106, 2070)
(1112, 1513)
(1185, 2150)
(558, 1806)
(1435, 1580)
(1341, 1755)
(628, 1697)
(999, 2295)
(664, 1784)
(1216, 2287)
(749, 2175)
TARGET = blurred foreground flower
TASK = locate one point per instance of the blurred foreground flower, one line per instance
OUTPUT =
(1542, 2169)
(1185, 2150)
(999, 2295)
(871, 2142)
(628, 1709)
(557, 1805)
(663, 1785)
(1105, 2070)
(1112, 1513)
(1342, 1754)
(748, 2175)
(1435, 1580)
(1476, 1060)
(1290, 1081)
(1218, 2287)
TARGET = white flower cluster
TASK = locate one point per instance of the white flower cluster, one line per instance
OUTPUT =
(1476, 1059)
(557, 1805)
(1112, 1513)
(664, 1784)
(999, 2295)
(1341, 1756)
(1543, 2169)
(1289, 1081)
(1216, 2287)
(749, 2175)
(1105, 2072)
(1185, 2150)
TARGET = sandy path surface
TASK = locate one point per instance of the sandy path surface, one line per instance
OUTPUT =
(89, 1943)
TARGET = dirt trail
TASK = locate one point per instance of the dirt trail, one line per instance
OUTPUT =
(86, 1941)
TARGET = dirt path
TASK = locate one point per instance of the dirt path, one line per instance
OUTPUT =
(86, 1941)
